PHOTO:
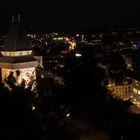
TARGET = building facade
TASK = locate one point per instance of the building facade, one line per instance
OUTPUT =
(120, 90)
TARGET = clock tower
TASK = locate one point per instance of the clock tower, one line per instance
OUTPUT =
(17, 62)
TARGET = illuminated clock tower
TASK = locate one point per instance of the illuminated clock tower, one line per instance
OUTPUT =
(17, 62)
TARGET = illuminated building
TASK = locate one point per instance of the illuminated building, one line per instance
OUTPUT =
(136, 86)
(17, 62)
(120, 90)
(72, 45)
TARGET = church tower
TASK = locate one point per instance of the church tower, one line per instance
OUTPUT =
(17, 62)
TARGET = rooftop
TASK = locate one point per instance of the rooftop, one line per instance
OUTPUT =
(16, 39)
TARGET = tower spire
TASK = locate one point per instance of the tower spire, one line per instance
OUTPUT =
(17, 39)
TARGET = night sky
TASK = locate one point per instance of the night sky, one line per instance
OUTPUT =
(70, 15)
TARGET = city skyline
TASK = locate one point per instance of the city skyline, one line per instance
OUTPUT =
(68, 85)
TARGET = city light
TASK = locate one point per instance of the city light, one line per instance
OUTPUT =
(33, 108)
(109, 85)
(78, 54)
(77, 35)
(72, 45)
(68, 115)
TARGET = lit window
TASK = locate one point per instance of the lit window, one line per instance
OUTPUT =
(134, 90)
(139, 92)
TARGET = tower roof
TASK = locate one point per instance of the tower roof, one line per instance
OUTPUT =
(16, 39)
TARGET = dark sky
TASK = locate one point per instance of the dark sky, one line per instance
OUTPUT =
(68, 15)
